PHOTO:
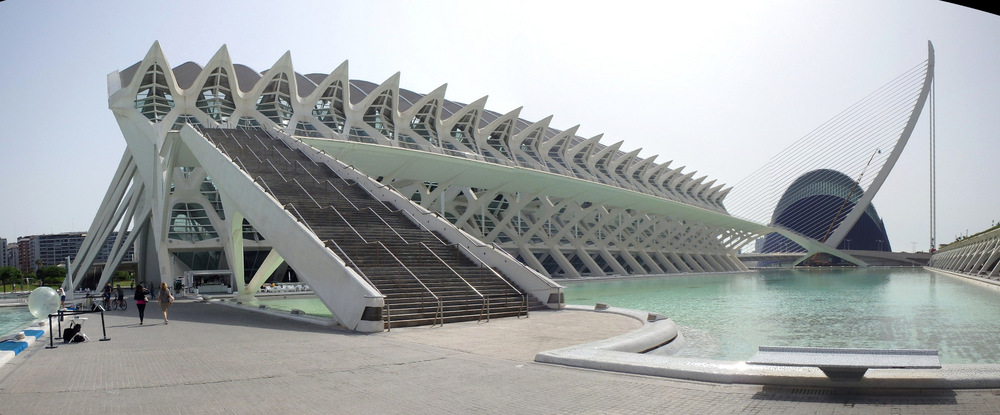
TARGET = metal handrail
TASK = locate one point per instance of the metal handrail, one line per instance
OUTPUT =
(524, 296)
(300, 218)
(342, 195)
(249, 137)
(387, 225)
(238, 143)
(254, 153)
(485, 299)
(260, 141)
(277, 171)
(280, 154)
(307, 193)
(243, 166)
(305, 169)
(266, 187)
(349, 224)
(351, 263)
(440, 311)
(424, 227)
(389, 208)
(388, 315)
(223, 149)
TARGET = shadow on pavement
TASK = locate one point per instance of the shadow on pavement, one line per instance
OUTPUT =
(852, 397)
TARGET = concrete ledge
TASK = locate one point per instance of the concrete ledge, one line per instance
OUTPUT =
(652, 334)
(620, 354)
(302, 317)
(32, 333)
(980, 281)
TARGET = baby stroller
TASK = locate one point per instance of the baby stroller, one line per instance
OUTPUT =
(74, 333)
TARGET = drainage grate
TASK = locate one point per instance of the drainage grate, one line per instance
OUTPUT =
(808, 392)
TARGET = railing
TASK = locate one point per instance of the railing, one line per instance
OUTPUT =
(277, 171)
(348, 223)
(387, 225)
(305, 169)
(301, 219)
(307, 193)
(342, 196)
(350, 262)
(524, 296)
(439, 314)
(485, 299)
(424, 227)
(265, 186)
(14, 297)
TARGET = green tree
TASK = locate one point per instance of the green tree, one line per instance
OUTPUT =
(9, 275)
(53, 275)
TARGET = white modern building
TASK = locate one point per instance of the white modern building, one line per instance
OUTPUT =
(238, 172)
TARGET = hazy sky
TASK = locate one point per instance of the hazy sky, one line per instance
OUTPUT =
(718, 87)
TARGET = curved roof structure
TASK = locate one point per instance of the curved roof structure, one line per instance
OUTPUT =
(507, 142)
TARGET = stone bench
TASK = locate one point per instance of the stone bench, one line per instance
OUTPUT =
(846, 363)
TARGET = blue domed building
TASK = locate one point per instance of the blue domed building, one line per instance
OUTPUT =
(818, 199)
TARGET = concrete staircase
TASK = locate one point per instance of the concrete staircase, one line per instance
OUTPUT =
(425, 281)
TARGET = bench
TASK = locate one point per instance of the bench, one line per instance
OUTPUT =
(846, 363)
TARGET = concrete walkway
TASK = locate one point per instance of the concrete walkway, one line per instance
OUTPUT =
(217, 359)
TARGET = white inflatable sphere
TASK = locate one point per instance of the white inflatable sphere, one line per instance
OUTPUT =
(43, 301)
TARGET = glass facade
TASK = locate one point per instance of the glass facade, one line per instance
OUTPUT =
(154, 99)
(189, 222)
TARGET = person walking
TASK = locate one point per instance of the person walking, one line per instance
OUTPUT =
(165, 299)
(141, 297)
(62, 297)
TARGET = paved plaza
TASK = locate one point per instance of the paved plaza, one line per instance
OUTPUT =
(218, 359)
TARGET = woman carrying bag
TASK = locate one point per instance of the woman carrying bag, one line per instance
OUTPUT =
(165, 299)
(141, 297)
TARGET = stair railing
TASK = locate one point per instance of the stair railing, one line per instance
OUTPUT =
(348, 223)
(223, 149)
(281, 154)
(439, 313)
(424, 227)
(254, 153)
(342, 196)
(350, 262)
(277, 171)
(387, 225)
(299, 217)
(484, 299)
(524, 296)
(266, 187)
(307, 193)
(305, 169)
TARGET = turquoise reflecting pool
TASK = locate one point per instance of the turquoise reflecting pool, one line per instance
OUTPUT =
(14, 319)
(308, 303)
(726, 316)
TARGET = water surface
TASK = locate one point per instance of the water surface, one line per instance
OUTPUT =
(726, 316)
(14, 319)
